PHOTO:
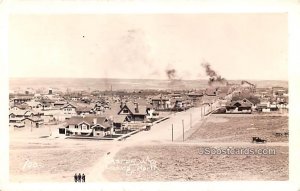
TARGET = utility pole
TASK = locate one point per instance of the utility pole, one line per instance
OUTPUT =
(112, 128)
(111, 93)
(201, 111)
(183, 130)
(172, 132)
(191, 120)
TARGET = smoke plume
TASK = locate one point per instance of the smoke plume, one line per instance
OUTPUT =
(171, 74)
(175, 80)
(213, 76)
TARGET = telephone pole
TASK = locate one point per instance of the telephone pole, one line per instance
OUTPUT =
(183, 130)
(172, 132)
(191, 120)
(111, 93)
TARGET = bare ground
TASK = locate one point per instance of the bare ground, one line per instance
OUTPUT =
(149, 155)
(227, 128)
(184, 163)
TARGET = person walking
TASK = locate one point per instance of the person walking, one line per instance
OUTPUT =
(79, 178)
(83, 177)
(75, 177)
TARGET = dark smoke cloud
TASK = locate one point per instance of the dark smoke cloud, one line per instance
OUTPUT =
(175, 80)
(213, 76)
(171, 74)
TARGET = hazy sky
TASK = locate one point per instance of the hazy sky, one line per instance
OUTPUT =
(238, 46)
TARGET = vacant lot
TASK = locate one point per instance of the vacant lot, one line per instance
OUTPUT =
(36, 159)
(240, 128)
(184, 163)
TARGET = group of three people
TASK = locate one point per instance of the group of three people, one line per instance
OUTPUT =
(79, 177)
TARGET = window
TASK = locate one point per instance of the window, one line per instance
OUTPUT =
(125, 111)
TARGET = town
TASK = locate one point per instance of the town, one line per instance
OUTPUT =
(113, 114)
(148, 97)
(51, 128)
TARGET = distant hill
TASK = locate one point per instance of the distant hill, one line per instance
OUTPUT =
(121, 84)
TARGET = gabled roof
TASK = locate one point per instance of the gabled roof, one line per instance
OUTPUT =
(34, 119)
(75, 120)
(23, 106)
(125, 107)
(20, 112)
(60, 103)
(141, 110)
(33, 103)
(119, 118)
(240, 103)
(84, 109)
(211, 92)
(68, 104)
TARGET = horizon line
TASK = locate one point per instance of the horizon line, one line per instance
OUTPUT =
(145, 79)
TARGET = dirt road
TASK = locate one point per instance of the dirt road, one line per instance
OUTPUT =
(159, 133)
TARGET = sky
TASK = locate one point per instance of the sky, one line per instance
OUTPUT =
(144, 46)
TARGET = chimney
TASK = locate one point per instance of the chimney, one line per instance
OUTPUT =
(95, 121)
(122, 104)
(50, 91)
(136, 107)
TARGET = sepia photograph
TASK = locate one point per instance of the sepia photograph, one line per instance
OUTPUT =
(148, 97)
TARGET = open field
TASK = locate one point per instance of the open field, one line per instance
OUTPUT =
(240, 128)
(33, 158)
(59, 163)
(151, 156)
(184, 163)
(181, 161)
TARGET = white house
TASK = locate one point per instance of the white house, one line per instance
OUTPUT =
(87, 126)
(68, 110)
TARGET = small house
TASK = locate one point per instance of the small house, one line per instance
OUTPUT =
(239, 106)
(133, 111)
(87, 126)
